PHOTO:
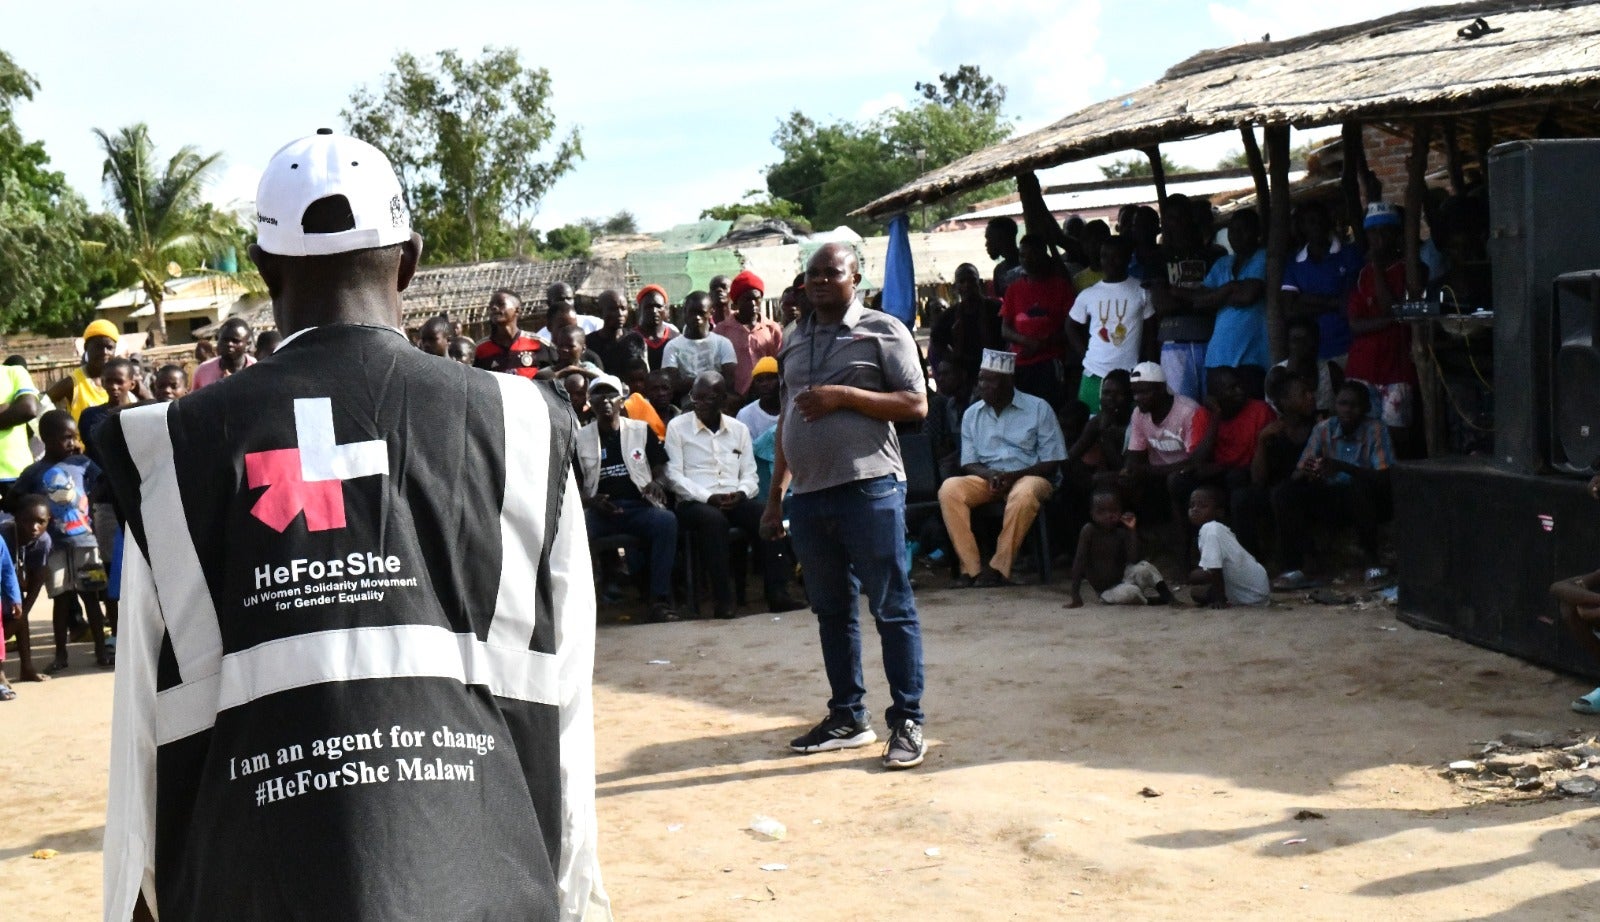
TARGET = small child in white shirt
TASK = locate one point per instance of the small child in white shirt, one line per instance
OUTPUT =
(1228, 575)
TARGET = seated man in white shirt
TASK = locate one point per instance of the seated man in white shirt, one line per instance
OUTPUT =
(712, 469)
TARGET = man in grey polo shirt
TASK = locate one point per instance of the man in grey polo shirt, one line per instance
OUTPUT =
(848, 375)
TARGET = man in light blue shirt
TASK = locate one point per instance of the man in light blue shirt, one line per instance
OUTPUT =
(1236, 289)
(1011, 446)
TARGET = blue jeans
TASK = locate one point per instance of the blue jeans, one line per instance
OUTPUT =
(657, 528)
(851, 541)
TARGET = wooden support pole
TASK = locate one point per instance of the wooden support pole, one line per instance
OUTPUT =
(1278, 233)
(1158, 173)
(1482, 140)
(1416, 281)
(1352, 143)
(1452, 154)
(1258, 171)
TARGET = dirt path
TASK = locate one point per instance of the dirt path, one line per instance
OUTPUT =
(1045, 725)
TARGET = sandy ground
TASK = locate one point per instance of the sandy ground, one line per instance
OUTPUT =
(1044, 726)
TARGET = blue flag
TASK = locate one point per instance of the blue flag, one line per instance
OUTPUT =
(899, 276)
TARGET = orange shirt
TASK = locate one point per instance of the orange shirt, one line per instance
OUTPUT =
(636, 407)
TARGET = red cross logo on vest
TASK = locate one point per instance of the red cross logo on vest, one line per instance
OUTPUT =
(310, 478)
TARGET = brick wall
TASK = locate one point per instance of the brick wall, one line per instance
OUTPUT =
(1386, 156)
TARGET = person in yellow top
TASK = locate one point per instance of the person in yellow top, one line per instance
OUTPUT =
(81, 390)
(19, 405)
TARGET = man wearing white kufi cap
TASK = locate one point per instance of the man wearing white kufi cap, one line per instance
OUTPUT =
(1011, 446)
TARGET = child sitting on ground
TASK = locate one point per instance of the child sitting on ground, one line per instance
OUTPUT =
(1228, 575)
(64, 476)
(1580, 616)
(28, 545)
(1108, 557)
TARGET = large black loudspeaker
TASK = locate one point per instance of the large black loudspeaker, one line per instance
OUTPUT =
(1478, 549)
(1544, 222)
(1575, 384)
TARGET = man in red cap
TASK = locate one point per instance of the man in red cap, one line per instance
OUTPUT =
(753, 336)
(653, 330)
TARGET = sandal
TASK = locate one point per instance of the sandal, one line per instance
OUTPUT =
(1293, 581)
(56, 665)
(1587, 704)
(6, 694)
(106, 660)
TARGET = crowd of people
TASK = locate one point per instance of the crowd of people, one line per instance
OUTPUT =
(1106, 377)
(1099, 379)
(61, 529)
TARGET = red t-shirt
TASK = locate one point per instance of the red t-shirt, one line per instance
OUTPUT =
(1383, 356)
(1038, 308)
(1235, 445)
(526, 355)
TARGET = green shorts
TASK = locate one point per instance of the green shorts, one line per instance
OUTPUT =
(1089, 391)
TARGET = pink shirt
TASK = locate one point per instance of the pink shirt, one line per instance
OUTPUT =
(750, 346)
(210, 371)
(1174, 438)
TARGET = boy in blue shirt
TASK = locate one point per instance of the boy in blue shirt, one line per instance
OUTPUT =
(64, 476)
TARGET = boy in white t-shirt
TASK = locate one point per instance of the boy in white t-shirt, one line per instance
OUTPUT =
(1228, 575)
(1115, 310)
(699, 350)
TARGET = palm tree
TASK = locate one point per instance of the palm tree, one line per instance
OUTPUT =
(168, 223)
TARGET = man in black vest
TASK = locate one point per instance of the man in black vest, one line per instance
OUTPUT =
(350, 688)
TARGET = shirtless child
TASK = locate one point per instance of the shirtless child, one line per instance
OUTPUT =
(1108, 557)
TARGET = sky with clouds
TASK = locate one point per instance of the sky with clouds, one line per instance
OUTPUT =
(676, 101)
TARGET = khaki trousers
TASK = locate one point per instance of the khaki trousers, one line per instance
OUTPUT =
(958, 496)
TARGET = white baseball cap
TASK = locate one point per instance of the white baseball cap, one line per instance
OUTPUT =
(357, 198)
(1147, 373)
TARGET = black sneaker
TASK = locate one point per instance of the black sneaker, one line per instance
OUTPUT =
(837, 731)
(906, 748)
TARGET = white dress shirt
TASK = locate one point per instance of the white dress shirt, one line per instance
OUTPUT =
(702, 463)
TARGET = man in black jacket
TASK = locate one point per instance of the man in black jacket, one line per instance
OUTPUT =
(349, 688)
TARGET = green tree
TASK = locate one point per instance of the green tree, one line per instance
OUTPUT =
(967, 86)
(1136, 167)
(829, 170)
(570, 241)
(1236, 160)
(44, 282)
(161, 207)
(761, 205)
(623, 222)
(466, 138)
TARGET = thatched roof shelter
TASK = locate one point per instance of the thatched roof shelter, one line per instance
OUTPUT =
(1536, 70)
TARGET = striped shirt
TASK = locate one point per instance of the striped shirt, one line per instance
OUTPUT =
(356, 644)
